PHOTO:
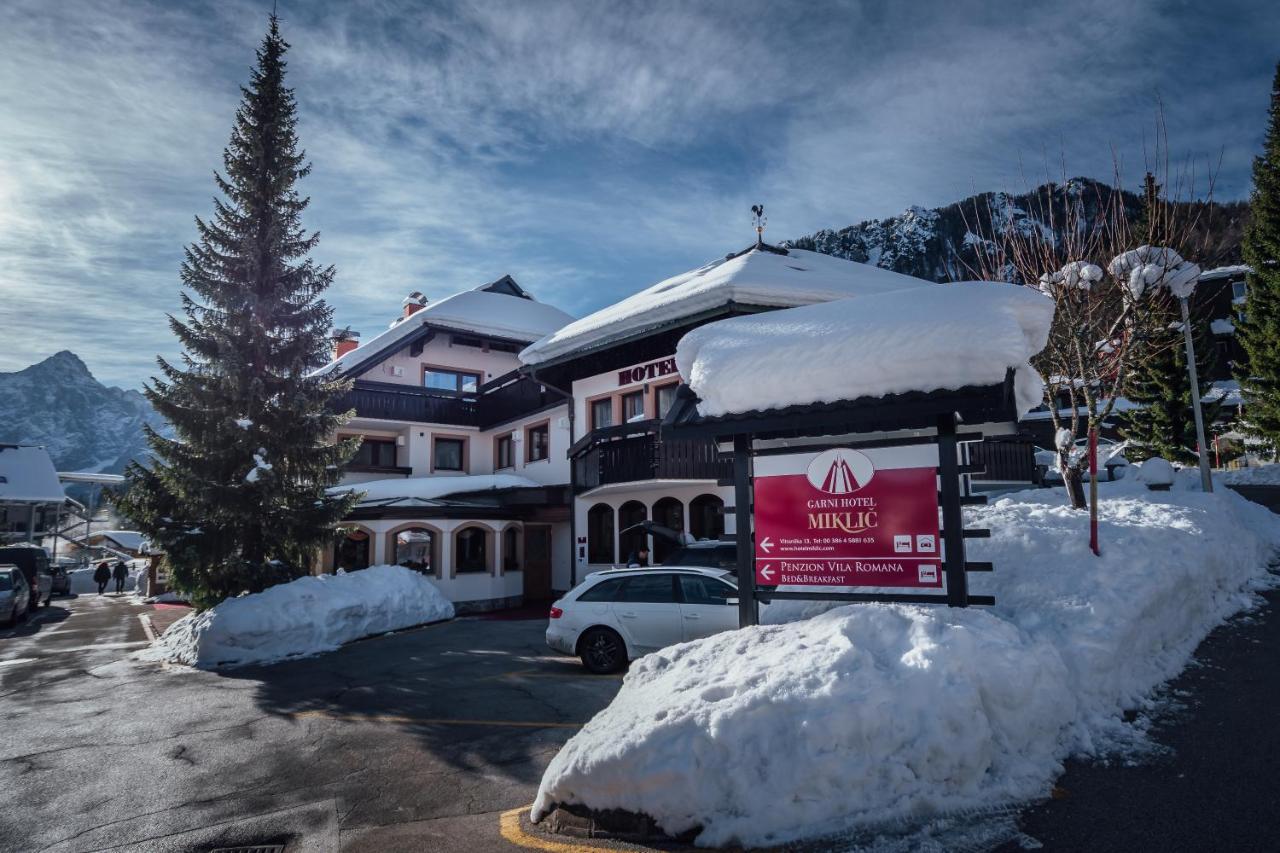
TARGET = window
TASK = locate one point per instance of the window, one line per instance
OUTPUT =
(455, 381)
(466, 341)
(649, 589)
(539, 442)
(602, 413)
(470, 551)
(668, 512)
(632, 541)
(511, 550)
(1238, 290)
(414, 549)
(352, 551)
(666, 396)
(604, 591)
(375, 453)
(633, 407)
(503, 457)
(706, 517)
(703, 590)
(449, 454)
(600, 534)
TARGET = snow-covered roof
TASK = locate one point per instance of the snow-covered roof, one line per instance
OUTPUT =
(479, 311)
(922, 339)
(27, 475)
(1225, 272)
(432, 488)
(129, 540)
(757, 277)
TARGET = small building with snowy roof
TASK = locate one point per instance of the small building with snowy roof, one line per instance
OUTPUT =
(462, 467)
(618, 365)
(31, 496)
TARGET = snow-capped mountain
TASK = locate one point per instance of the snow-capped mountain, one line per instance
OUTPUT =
(941, 244)
(85, 425)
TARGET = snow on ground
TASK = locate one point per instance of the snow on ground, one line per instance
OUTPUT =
(1257, 475)
(922, 339)
(82, 582)
(870, 713)
(304, 617)
(753, 278)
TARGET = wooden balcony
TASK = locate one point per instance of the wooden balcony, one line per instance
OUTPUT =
(388, 402)
(634, 452)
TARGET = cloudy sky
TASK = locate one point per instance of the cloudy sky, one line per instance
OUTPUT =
(588, 149)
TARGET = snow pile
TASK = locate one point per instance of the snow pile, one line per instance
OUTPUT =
(304, 617)
(433, 488)
(1156, 472)
(1258, 475)
(871, 713)
(1077, 275)
(753, 278)
(924, 339)
(1148, 267)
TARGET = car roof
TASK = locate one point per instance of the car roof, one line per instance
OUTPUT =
(693, 570)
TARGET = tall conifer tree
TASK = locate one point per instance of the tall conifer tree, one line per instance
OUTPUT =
(1165, 425)
(238, 500)
(1259, 331)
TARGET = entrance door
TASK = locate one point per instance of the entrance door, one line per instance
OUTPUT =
(537, 562)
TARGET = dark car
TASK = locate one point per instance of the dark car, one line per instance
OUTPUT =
(61, 581)
(704, 553)
(34, 563)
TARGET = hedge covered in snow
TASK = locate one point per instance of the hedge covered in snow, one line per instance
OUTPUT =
(304, 617)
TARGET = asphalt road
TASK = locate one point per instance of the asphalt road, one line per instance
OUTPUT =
(413, 741)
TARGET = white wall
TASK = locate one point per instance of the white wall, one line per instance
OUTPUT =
(441, 352)
(608, 383)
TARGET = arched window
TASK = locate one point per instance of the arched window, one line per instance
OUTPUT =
(600, 534)
(631, 542)
(471, 550)
(352, 551)
(415, 549)
(706, 517)
(668, 512)
(511, 549)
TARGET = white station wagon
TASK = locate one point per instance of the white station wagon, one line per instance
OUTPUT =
(619, 615)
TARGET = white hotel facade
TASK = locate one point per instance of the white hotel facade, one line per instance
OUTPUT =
(510, 449)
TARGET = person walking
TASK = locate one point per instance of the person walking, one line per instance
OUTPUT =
(121, 573)
(102, 574)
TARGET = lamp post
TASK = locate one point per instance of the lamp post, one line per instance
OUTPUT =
(1202, 451)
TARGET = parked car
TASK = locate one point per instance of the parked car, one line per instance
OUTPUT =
(15, 594)
(617, 615)
(34, 563)
(61, 581)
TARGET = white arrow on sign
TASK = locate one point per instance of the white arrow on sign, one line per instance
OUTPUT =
(766, 545)
(766, 572)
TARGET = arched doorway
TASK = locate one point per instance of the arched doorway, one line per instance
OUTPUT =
(600, 534)
(353, 550)
(706, 517)
(669, 512)
(631, 542)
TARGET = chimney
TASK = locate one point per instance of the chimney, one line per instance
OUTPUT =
(344, 341)
(414, 303)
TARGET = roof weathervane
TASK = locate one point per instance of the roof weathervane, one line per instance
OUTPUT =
(759, 220)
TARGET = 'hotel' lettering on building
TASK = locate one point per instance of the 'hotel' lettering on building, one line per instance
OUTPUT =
(645, 372)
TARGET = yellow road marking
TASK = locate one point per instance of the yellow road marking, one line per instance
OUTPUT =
(509, 827)
(430, 721)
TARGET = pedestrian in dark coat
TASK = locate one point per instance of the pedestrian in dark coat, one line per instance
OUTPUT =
(121, 573)
(102, 574)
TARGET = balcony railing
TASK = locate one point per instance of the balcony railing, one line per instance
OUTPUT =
(1004, 460)
(388, 402)
(635, 452)
(501, 402)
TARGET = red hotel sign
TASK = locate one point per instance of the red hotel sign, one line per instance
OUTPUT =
(848, 518)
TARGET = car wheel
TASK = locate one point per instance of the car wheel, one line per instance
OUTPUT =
(602, 651)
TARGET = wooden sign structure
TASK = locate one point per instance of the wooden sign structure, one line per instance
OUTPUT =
(863, 493)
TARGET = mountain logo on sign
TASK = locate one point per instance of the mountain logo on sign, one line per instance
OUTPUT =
(840, 471)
